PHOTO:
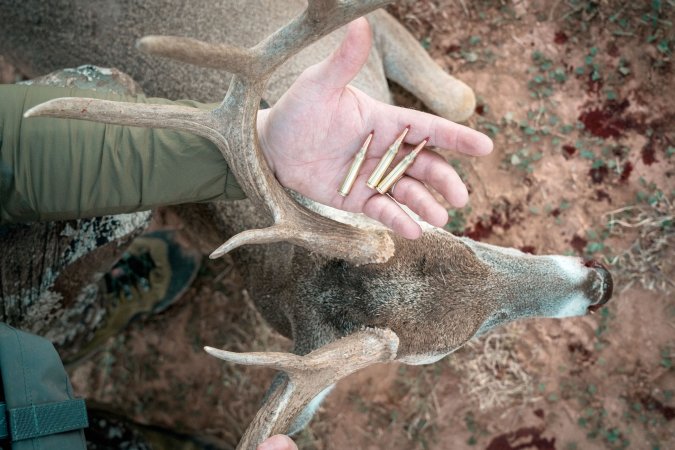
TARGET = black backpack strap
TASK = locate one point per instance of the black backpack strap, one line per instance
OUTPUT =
(39, 405)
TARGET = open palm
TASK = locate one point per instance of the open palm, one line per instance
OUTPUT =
(311, 134)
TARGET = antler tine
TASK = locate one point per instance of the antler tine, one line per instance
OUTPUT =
(120, 113)
(281, 361)
(319, 19)
(308, 376)
(316, 232)
(192, 51)
(275, 233)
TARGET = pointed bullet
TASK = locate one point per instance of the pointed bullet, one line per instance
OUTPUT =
(386, 160)
(400, 168)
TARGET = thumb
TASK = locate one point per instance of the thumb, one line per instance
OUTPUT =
(336, 71)
(278, 442)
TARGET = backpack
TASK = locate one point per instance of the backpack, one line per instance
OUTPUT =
(38, 410)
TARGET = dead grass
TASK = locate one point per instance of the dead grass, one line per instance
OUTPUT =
(492, 373)
(649, 260)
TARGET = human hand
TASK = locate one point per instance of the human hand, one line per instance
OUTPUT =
(312, 133)
(278, 442)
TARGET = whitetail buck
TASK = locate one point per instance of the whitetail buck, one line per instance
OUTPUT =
(349, 293)
(40, 37)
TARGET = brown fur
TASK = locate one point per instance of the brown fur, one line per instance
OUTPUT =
(435, 292)
(40, 37)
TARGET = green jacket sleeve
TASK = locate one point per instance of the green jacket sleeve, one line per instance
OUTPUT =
(58, 169)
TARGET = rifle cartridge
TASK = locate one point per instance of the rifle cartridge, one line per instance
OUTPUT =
(400, 168)
(360, 156)
(386, 160)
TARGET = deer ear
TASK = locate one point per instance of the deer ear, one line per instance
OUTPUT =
(307, 377)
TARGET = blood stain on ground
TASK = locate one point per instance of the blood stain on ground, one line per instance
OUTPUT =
(578, 243)
(602, 195)
(560, 37)
(501, 216)
(607, 121)
(620, 151)
(479, 231)
(568, 151)
(453, 48)
(649, 152)
(652, 404)
(593, 85)
(626, 171)
(521, 439)
(598, 174)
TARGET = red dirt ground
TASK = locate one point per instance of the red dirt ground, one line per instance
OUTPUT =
(578, 96)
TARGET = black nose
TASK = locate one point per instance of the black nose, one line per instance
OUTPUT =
(607, 283)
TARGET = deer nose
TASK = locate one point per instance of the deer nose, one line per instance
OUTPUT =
(607, 283)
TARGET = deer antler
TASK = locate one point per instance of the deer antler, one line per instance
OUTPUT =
(307, 376)
(231, 126)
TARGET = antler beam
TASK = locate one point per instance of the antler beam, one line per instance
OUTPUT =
(307, 376)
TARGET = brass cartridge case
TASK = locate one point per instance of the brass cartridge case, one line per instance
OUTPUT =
(386, 160)
(400, 168)
(360, 156)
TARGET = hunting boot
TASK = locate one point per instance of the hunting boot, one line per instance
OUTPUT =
(150, 276)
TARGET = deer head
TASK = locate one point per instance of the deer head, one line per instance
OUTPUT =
(411, 301)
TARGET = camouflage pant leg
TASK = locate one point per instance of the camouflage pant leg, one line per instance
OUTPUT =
(49, 272)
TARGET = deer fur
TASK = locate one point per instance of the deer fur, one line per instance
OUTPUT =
(434, 293)
(40, 37)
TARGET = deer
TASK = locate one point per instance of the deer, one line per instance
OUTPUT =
(33, 33)
(347, 291)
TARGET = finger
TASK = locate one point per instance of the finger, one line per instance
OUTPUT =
(387, 212)
(336, 71)
(417, 197)
(442, 132)
(278, 442)
(432, 169)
